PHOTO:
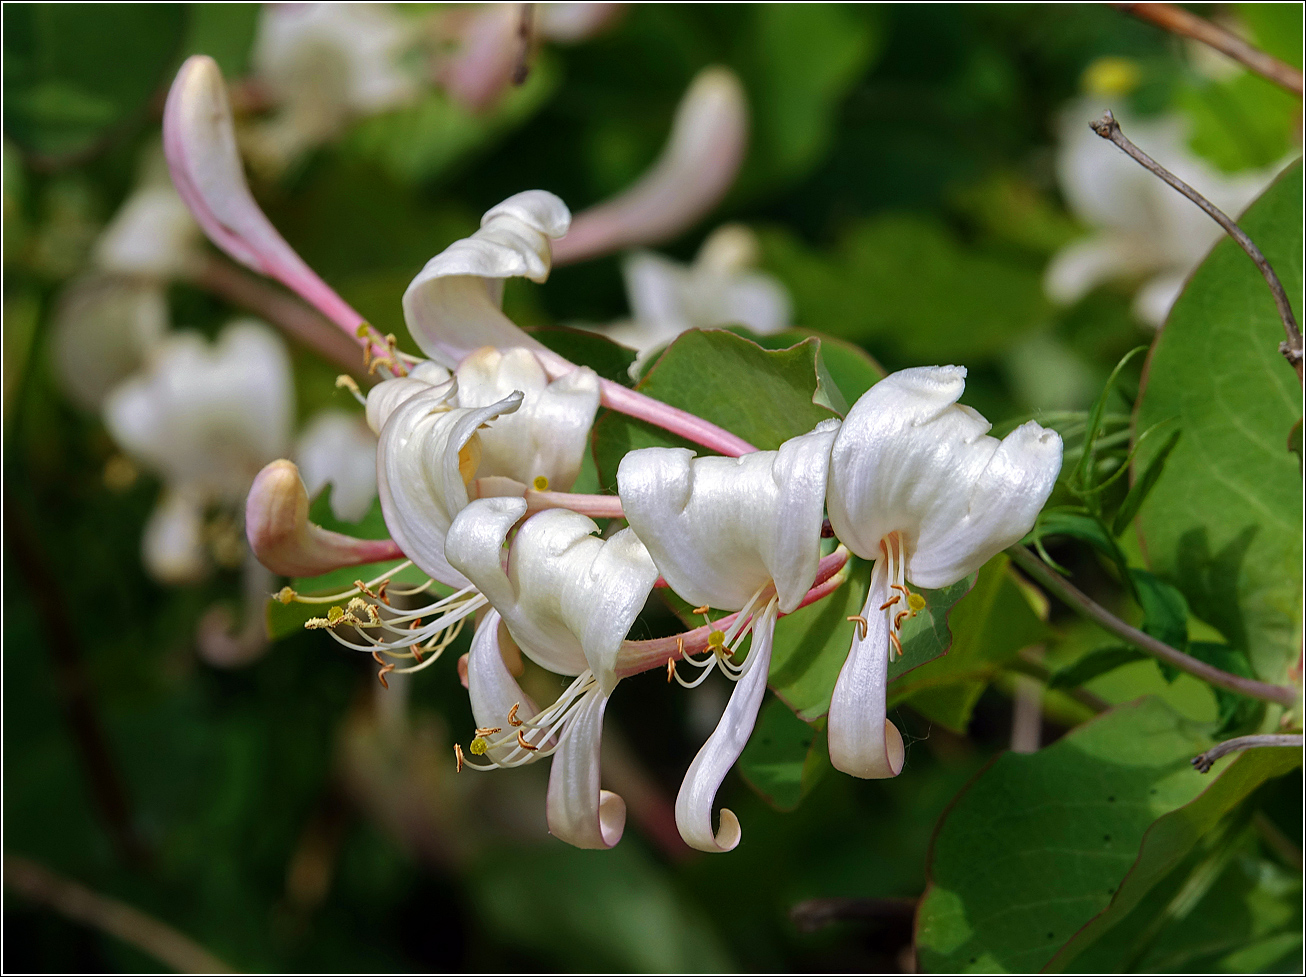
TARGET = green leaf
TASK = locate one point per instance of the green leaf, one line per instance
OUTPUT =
(777, 755)
(1086, 528)
(1235, 711)
(1175, 834)
(66, 87)
(1223, 521)
(225, 32)
(1141, 488)
(764, 396)
(1095, 663)
(593, 910)
(989, 625)
(1165, 612)
(1084, 478)
(850, 368)
(1039, 844)
(608, 359)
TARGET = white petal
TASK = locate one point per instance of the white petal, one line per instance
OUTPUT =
(909, 460)
(172, 546)
(719, 528)
(708, 138)
(283, 539)
(493, 691)
(863, 742)
(474, 546)
(337, 449)
(722, 749)
(452, 306)
(580, 813)
(208, 415)
(425, 457)
(571, 23)
(549, 435)
(389, 394)
(104, 329)
(655, 288)
(1155, 299)
(1081, 266)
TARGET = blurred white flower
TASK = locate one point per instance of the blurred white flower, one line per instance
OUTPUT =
(339, 450)
(567, 599)
(738, 534)
(918, 486)
(205, 418)
(1143, 230)
(322, 65)
(721, 288)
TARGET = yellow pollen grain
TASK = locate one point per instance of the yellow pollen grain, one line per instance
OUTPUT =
(541, 483)
(479, 746)
(916, 602)
(286, 595)
(716, 639)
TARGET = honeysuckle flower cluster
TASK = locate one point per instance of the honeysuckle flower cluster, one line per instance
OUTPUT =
(477, 445)
(1142, 230)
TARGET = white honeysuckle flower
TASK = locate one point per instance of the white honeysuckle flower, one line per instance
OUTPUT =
(323, 65)
(387, 395)
(709, 136)
(568, 600)
(338, 449)
(104, 328)
(453, 306)
(172, 544)
(205, 418)
(1143, 229)
(738, 534)
(544, 441)
(721, 288)
(917, 485)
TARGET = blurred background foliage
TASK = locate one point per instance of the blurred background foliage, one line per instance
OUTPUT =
(901, 178)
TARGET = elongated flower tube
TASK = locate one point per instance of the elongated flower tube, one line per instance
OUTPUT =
(918, 486)
(568, 599)
(200, 144)
(708, 139)
(286, 542)
(739, 534)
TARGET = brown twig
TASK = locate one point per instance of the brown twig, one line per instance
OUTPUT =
(73, 688)
(228, 281)
(107, 915)
(1108, 128)
(1176, 20)
(814, 914)
(1203, 761)
(1080, 602)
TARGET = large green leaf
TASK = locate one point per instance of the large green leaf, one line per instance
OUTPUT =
(1174, 835)
(74, 72)
(778, 761)
(1223, 522)
(1039, 843)
(764, 396)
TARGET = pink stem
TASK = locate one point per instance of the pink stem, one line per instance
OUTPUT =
(643, 656)
(594, 506)
(689, 426)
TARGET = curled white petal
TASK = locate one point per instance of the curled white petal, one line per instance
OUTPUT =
(719, 529)
(722, 749)
(549, 435)
(910, 460)
(863, 742)
(579, 811)
(152, 235)
(337, 449)
(286, 542)
(708, 138)
(389, 394)
(426, 455)
(452, 307)
(567, 597)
